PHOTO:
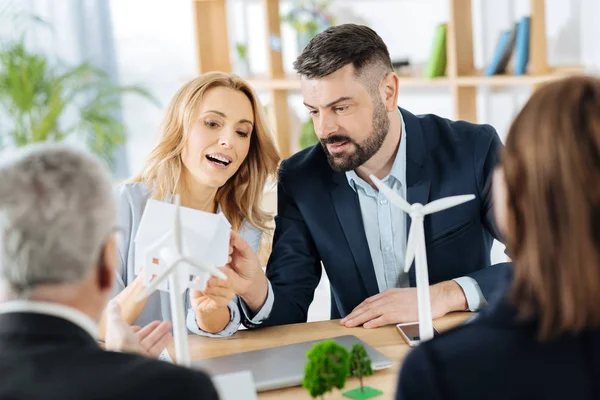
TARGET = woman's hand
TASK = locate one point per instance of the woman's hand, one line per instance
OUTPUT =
(218, 294)
(210, 305)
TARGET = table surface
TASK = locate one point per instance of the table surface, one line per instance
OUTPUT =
(386, 340)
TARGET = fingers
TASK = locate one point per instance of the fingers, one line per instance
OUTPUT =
(147, 330)
(371, 308)
(219, 293)
(136, 328)
(355, 312)
(216, 282)
(382, 320)
(113, 310)
(157, 336)
(238, 243)
(359, 317)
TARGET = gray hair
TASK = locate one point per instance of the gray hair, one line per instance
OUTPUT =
(56, 212)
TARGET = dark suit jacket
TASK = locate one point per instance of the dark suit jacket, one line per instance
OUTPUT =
(498, 357)
(45, 357)
(319, 218)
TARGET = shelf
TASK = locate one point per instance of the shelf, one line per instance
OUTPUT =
(293, 84)
(516, 80)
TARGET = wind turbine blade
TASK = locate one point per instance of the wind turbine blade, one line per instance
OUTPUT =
(157, 281)
(446, 202)
(390, 194)
(410, 247)
(214, 271)
(177, 227)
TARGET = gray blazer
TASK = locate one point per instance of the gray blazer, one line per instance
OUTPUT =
(131, 200)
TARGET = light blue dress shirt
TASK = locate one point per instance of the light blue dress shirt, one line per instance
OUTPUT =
(386, 232)
(386, 229)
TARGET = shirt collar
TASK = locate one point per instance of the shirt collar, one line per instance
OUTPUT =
(53, 309)
(398, 170)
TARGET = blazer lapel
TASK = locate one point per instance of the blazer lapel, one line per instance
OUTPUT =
(418, 179)
(347, 208)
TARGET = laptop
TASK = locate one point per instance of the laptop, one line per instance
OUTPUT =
(283, 366)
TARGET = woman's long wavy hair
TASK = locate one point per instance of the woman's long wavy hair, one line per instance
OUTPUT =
(241, 196)
(551, 165)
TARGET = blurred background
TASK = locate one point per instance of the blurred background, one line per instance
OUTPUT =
(100, 73)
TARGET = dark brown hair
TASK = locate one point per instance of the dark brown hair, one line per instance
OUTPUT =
(552, 170)
(340, 45)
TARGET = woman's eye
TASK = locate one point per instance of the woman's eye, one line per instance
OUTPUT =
(211, 124)
(242, 134)
(313, 112)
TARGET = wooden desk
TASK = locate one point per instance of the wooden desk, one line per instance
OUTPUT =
(387, 340)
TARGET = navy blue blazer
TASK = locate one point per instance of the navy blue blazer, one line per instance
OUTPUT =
(498, 357)
(319, 218)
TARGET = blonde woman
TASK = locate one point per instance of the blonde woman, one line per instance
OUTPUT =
(216, 152)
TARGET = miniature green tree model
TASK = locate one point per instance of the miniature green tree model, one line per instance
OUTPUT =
(328, 367)
(360, 366)
(360, 363)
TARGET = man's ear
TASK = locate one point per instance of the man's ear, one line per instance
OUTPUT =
(107, 264)
(389, 86)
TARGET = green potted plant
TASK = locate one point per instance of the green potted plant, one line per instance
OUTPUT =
(328, 367)
(37, 95)
(308, 137)
(242, 58)
(308, 18)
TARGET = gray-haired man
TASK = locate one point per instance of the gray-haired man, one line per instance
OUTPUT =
(57, 261)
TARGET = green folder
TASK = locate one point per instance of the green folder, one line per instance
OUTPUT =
(437, 61)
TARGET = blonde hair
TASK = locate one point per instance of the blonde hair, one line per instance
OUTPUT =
(241, 196)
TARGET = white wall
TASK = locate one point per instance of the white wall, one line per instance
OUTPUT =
(155, 44)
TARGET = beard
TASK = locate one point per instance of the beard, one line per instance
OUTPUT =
(350, 160)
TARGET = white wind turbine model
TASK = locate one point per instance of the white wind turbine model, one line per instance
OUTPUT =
(178, 269)
(415, 247)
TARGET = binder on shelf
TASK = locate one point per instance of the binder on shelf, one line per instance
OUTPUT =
(522, 46)
(436, 66)
(502, 52)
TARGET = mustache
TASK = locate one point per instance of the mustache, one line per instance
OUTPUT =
(333, 139)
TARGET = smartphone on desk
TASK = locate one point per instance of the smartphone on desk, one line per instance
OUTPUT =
(410, 333)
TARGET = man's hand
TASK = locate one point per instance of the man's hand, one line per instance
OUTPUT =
(131, 308)
(395, 306)
(245, 273)
(218, 294)
(149, 341)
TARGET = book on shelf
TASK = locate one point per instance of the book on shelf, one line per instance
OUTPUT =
(515, 40)
(522, 46)
(436, 66)
(502, 52)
